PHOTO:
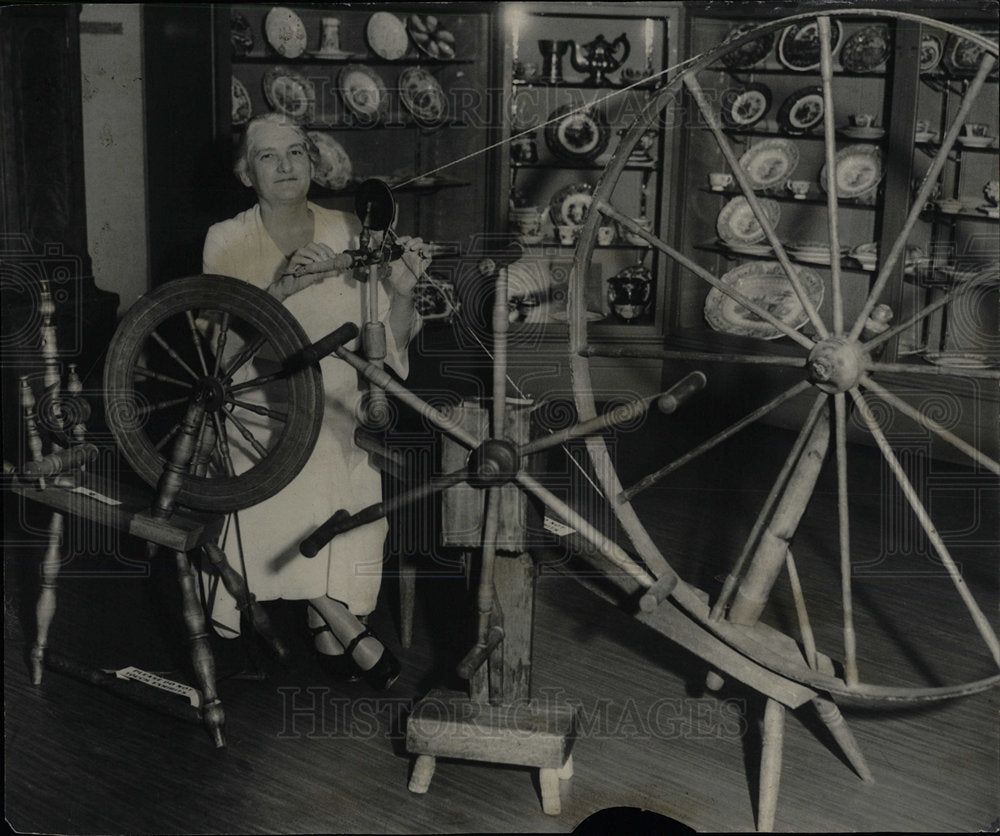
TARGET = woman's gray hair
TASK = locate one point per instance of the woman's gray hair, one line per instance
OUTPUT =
(242, 161)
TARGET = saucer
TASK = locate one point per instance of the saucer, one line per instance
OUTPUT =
(949, 210)
(338, 55)
(976, 141)
(990, 211)
(855, 132)
(925, 136)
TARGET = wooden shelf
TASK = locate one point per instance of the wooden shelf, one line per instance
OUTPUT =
(312, 60)
(786, 198)
(847, 263)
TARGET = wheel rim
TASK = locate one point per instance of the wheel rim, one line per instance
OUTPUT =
(188, 338)
(838, 343)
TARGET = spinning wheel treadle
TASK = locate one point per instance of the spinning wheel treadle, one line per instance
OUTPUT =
(224, 343)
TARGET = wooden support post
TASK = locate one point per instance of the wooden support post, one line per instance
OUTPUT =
(770, 764)
(45, 607)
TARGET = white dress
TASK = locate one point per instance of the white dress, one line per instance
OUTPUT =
(338, 474)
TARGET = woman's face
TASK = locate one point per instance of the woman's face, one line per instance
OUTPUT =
(278, 165)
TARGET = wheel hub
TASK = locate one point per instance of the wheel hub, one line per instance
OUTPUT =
(835, 364)
(211, 393)
(495, 462)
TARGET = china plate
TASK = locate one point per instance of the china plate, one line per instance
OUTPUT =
(745, 106)
(750, 249)
(422, 95)
(770, 163)
(798, 46)
(363, 91)
(752, 52)
(575, 135)
(387, 36)
(240, 34)
(801, 111)
(569, 206)
(962, 55)
(563, 316)
(866, 50)
(334, 168)
(289, 93)
(242, 109)
(285, 32)
(765, 283)
(858, 170)
(976, 141)
(930, 52)
(962, 359)
(738, 224)
(431, 37)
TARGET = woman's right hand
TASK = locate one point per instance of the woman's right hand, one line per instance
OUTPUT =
(294, 277)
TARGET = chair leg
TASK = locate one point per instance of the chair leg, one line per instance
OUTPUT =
(201, 654)
(45, 608)
(830, 714)
(770, 764)
(407, 599)
(548, 781)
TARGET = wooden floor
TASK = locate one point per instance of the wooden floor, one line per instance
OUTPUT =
(309, 755)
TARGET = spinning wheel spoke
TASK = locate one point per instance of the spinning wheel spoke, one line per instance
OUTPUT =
(170, 434)
(605, 545)
(830, 153)
(147, 410)
(196, 339)
(702, 273)
(729, 585)
(220, 342)
(222, 445)
(712, 118)
(647, 352)
(931, 425)
(745, 421)
(248, 436)
(982, 624)
(904, 368)
(923, 194)
(844, 533)
(244, 357)
(259, 410)
(142, 371)
(173, 354)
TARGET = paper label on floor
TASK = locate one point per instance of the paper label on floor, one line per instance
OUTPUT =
(192, 694)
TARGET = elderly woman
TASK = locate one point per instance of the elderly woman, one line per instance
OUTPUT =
(264, 246)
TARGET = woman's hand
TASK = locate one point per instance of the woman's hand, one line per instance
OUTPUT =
(293, 279)
(408, 269)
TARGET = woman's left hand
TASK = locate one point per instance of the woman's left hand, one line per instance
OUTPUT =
(408, 269)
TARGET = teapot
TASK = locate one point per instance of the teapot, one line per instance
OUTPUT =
(599, 57)
(629, 292)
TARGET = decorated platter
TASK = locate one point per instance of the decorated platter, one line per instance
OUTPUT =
(386, 36)
(802, 111)
(866, 50)
(858, 170)
(289, 93)
(363, 91)
(575, 135)
(242, 109)
(285, 32)
(737, 223)
(422, 95)
(752, 52)
(766, 284)
(569, 206)
(334, 167)
(931, 50)
(799, 47)
(810, 252)
(240, 34)
(962, 55)
(751, 249)
(745, 106)
(431, 38)
(770, 163)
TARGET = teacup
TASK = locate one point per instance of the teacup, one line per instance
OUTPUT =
(567, 234)
(798, 188)
(719, 180)
(862, 120)
(976, 130)
(605, 235)
(634, 238)
(991, 191)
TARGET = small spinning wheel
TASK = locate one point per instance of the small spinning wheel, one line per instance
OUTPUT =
(223, 343)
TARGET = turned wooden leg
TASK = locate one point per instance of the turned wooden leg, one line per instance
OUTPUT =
(830, 714)
(45, 609)
(548, 781)
(565, 772)
(770, 764)
(423, 771)
(201, 654)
